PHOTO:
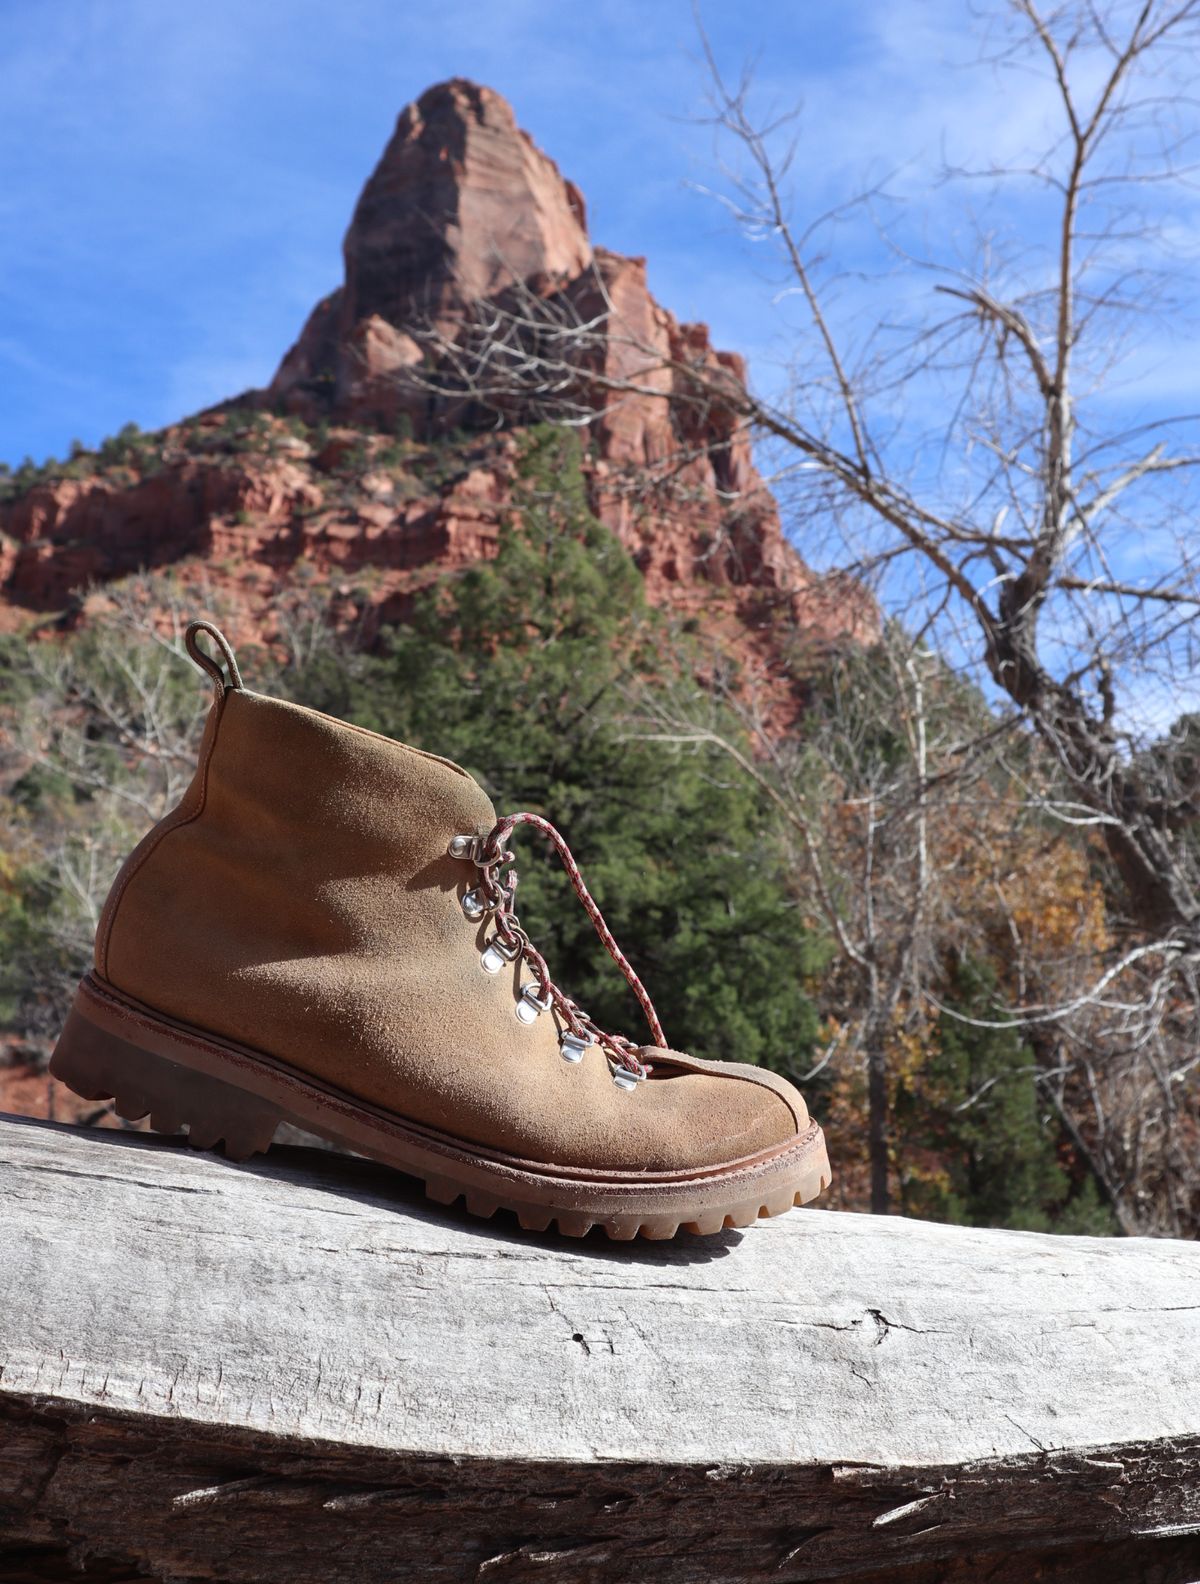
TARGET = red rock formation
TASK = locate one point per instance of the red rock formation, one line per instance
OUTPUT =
(461, 206)
(462, 210)
(308, 480)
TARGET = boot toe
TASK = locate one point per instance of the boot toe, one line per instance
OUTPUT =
(722, 1112)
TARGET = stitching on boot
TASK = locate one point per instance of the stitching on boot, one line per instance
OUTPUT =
(171, 823)
(762, 1077)
(130, 1011)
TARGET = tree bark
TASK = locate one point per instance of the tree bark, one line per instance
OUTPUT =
(878, 1149)
(296, 1371)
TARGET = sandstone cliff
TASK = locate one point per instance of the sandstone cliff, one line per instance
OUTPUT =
(357, 470)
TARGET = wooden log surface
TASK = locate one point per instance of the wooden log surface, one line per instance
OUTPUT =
(296, 1370)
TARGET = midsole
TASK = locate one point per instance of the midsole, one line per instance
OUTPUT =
(321, 1107)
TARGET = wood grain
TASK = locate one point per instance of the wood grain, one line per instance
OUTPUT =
(295, 1370)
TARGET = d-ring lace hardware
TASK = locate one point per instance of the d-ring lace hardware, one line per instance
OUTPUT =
(475, 904)
(491, 857)
(625, 1077)
(530, 1005)
(497, 953)
(574, 1046)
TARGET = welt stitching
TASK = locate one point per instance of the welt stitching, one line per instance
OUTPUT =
(433, 1138)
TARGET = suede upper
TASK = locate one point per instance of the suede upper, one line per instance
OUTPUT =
(301, 901)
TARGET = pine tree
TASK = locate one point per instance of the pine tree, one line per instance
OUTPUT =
(977, 1107)
(520, 669)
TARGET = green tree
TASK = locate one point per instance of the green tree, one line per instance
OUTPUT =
(976, 1105)
(521, 669)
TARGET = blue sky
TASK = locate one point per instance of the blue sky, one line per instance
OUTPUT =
(175, 180)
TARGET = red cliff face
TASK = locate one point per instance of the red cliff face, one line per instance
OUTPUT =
(460, 206)
(461, 214)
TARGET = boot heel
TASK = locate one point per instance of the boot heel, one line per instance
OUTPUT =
(99, 1065)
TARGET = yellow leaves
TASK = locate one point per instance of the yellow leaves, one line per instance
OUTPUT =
(1057, 904)
(912, 1048)
(1037, 908)
(910, 1043)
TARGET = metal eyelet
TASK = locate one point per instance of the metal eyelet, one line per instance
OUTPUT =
(625, 1078)
(530, 1005)
(573, 1046)
(462, 847)
(496, 954)
(474, 905)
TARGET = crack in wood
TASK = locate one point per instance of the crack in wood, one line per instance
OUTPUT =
(292, 1374)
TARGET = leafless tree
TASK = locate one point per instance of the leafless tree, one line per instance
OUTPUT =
(1027, 545)
(1045, 547)
(97, 742)
(858, 822)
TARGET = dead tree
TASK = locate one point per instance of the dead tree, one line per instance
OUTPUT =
(1018, 568)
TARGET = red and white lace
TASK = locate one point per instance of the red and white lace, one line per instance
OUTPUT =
(495, 894)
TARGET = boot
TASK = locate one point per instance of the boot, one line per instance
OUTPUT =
(323, 933)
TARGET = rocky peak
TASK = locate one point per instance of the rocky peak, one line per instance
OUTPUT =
(461, 205)
(317, 475)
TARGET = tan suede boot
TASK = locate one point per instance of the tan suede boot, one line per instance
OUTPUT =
(323, 933)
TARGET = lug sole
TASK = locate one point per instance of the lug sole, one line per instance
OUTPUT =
(112, 1047)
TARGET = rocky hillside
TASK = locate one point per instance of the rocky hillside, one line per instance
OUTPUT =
(361, 467)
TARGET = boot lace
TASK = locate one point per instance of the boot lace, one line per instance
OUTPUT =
(496, 893)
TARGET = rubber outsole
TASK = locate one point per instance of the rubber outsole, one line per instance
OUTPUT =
(113, 1048)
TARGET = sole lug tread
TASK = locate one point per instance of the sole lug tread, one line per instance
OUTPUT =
(574, 1223)
(534, 1218)
(178, 1092)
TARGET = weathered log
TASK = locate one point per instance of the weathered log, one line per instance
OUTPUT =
(296, 1371)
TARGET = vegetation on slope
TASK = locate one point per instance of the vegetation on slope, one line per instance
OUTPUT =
(545, 673)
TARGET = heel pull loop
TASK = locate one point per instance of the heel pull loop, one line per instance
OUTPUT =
(205, 661)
